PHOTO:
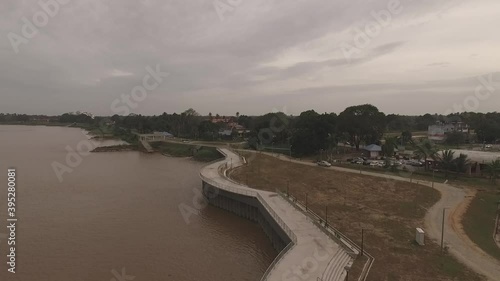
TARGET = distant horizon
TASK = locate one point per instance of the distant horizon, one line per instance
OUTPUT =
(234, 114)
(406, 57)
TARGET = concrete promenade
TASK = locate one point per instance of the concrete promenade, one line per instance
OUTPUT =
(313, 255)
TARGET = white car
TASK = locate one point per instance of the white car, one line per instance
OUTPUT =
(324, 164)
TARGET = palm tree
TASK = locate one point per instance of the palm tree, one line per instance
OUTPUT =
(389, 146)
(462, 163)
(494, 170)
(447, 161)
(406, 137)
(426, 150)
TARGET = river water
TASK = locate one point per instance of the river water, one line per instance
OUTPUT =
(116, 215)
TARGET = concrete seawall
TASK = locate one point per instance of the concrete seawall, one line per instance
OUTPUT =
(249, 208)
(305, 251)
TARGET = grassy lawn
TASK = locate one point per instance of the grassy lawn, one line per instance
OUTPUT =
(199, 153)
(388, 211)
(453, 179)
(479, 221)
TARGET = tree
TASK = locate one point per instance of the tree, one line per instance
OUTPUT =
(389, 146)
(447, 161)
(423, 122)
(426, 150)
(455, 138)
(462, 163)
(314, 132)
(494, 170)
(406, 137)
(362, 123)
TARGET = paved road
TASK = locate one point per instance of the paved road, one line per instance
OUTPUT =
(455, 239)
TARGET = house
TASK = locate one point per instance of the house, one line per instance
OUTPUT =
(438, 131)
(372, 151)
(156, 136)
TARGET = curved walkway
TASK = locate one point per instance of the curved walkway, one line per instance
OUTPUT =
(455, 239)
(313, 253)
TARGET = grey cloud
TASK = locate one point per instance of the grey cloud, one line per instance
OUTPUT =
(69, 65)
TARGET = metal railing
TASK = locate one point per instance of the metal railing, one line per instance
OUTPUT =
(276, 260)
(351, 247)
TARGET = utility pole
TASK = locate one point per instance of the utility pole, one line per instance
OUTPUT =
(442, 231)
(287, 188)
(326, 216)
(362, 241)
(433, 177)
(306, 201)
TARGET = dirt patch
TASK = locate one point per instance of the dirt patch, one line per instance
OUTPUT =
(457, 216)
(388, 210)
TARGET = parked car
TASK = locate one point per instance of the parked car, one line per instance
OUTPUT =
(355, 160)
(488, 146)
(324, 164)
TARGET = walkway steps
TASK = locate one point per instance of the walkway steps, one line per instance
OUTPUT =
(147, 146)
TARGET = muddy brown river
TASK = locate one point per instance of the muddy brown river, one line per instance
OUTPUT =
(115, 215)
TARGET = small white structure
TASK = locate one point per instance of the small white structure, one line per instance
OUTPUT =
(420, 237)
(156, 136)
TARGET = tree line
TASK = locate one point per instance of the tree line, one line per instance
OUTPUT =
(307, 133)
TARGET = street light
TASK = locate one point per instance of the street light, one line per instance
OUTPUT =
(347, 268)
(362, 242)
(433, 170)
(306, 201)
(442, 230)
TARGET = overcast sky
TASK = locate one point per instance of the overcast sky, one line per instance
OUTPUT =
(250, 56)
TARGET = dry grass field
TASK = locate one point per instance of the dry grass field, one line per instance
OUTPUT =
(388, 211)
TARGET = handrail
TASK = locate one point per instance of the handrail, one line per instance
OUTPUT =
(346, 243)
(276, 260)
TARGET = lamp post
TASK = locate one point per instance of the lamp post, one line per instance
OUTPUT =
(362, 242)
(347, 268)
(433, 170)
(442, 230)
(326, 216)
(306, 201)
